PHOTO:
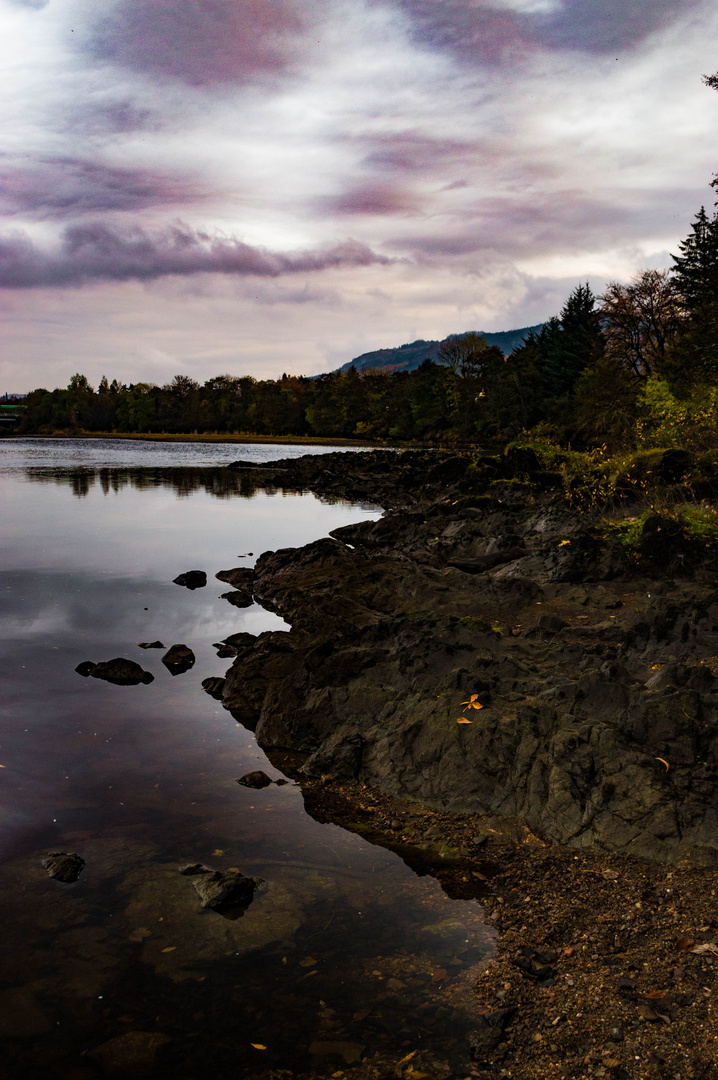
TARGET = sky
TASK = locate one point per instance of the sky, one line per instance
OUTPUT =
(254, 187)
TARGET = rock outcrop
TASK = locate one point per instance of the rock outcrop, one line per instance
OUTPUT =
(483, 647)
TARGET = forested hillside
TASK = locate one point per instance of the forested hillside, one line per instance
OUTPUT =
(635, 366)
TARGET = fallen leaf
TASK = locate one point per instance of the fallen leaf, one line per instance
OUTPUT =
(308, 961)
(407, 1058)
(258, 1046)
(564, 542)
(610, 875)
(464, 720)
(646, 1012)
(170, 948)
(685, 944)
(656, 994)
(664, 762)
(218, 851)
(706, 947)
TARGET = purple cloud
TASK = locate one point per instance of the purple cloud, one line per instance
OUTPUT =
(62, 187)
(410, 151)
(96, 252)
(480, 33)
(203, 42)
(372, 198)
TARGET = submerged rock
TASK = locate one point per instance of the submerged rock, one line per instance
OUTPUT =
(191, 579)
(178, 659)
(217, 888)
(120, 671)
(150, 645)
(64, 866)
(257, 779)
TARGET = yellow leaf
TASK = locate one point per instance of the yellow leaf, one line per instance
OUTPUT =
(472, 699)
(664, 762)
(170, 949)
(218, 851)
(407, 1058)
(258, 1046)
(564, 542)
(464, 720)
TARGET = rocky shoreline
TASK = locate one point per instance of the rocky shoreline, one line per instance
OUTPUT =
(493, 657)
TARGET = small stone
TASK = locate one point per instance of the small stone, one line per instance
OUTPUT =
(616, 1033)
(178, 659)
(64, 866)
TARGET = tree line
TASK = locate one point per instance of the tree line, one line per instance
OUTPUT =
(636, 365)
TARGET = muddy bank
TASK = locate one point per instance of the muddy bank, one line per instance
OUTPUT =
(485, 648)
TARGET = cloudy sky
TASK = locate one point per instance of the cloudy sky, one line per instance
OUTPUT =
(259, 186)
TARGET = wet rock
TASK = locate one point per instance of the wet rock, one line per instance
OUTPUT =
(241, 577)
(489, 1033)
(616, 1033)
(64, 866)
(213, 687)
(256, 779)
(192, 579)
(133, 1050)
(238, 598)
(178, 659)
(150, 645)
(120, 671)
(218, 889)
(481, 563)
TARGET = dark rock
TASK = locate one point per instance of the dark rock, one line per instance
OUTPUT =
(213, 687)
(218, 889)
(237, 599)
(85, 668)
(120, 671)
(480, 563)
(616, 1033)
(256, 779)
(178, 659)
(489, 1033)
(552, 623)
(241, 640)
(241, 577)
(64, 866)
(150, 644)
(192, 579)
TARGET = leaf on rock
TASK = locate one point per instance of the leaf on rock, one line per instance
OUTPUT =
(170, 948)
(464, 720)
(258, 1046)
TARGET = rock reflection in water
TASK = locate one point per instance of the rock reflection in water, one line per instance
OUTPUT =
(342, 953)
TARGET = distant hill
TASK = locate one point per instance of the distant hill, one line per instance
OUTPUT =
(408, 357)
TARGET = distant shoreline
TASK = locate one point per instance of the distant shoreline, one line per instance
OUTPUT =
(209, 437)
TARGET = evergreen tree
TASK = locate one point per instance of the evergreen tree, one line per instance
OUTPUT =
(696, 268)
(570, 342)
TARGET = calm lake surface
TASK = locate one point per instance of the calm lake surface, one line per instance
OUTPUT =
(343, 952)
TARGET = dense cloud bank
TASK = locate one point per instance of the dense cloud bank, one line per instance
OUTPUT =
(483, 155)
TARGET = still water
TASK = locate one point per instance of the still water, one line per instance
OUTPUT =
(344, 952)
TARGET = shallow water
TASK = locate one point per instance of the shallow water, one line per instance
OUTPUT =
(343, 951)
